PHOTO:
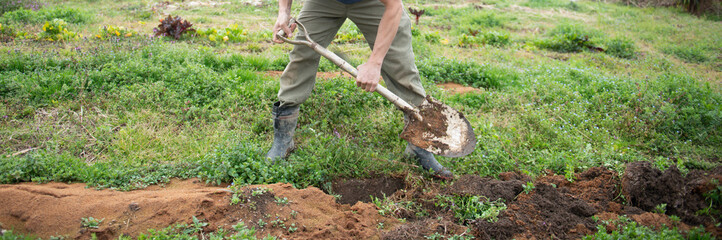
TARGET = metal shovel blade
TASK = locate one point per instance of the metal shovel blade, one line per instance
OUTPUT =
(441, 130)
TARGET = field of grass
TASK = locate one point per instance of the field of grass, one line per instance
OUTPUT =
(107, 104)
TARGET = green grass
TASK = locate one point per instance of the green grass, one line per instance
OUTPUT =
(127, 113)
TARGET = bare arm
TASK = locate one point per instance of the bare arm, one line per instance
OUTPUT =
(284, 15)
(370, 72)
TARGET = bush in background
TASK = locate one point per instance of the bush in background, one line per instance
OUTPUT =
(621, 48)
(569, 38)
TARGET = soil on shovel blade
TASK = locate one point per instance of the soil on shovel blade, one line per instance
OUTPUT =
(554, 209)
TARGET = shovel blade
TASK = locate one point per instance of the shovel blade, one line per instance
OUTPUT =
(441, 130)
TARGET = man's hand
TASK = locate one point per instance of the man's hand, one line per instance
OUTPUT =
(282, 24)
(284, 16)
(370, 72)
(369, 75)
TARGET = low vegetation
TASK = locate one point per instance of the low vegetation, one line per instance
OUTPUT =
(87, 94)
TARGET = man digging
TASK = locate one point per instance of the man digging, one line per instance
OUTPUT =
(386, 28)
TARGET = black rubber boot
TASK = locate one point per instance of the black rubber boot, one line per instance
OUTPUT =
(428, 161)
(284, 125)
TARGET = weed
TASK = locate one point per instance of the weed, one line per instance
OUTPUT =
(173, 27)
(292, 228)
(528, 187)
(714, 197)
(261, 223)
(469, 208)
(259, 191)
(627, 229)
(91, 222)
(111, 31)
(281, 200)
(57, 30)
(234, 34)
(661, 208)
(495, 38)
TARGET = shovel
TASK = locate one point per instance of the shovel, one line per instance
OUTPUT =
(433, 126)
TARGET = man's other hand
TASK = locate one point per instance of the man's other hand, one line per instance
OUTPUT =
(369, 75)
(282, 24)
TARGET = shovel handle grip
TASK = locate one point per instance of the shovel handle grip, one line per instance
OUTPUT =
(396, 100)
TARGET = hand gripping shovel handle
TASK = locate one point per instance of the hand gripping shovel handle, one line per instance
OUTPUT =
(400, 103)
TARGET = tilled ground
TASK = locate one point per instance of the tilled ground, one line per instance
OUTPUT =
(555, 208)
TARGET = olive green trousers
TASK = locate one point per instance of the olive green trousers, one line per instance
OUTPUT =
(322, 19)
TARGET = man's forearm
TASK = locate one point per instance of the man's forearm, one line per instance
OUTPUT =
(388, 27)
(284, 7)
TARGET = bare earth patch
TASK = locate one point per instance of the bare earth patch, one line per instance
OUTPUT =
(555, 208)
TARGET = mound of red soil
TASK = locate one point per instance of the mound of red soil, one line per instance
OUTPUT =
(56, 209)
(554, 209)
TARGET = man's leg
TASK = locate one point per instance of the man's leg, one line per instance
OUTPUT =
(398, 69)
(322, 19)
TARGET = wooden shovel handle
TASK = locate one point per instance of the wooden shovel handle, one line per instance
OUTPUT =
(400, 103)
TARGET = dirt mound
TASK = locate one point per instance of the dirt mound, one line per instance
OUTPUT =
(56, 209)
(491, 188)
(649, 189)
(361, 190)
(554, 208)
(427, 227)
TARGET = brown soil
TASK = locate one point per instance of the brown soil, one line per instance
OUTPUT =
(554, 209)
(56, 209)
(361, 190)
(424, 133)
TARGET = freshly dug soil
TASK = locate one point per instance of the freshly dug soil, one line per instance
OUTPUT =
(56, 209)
(355, 190)
(554, 209)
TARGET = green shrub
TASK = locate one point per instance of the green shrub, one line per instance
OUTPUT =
(569, 38)
(621, 48)
(433, 37)
(57, 30)
(111, 31)
(463, 72)
(494, 38)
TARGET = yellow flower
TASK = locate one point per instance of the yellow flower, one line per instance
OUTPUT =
(141, 22)
(444, 41)
(128, 34)
(225, 38)
(97, 35)
(117, 33)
